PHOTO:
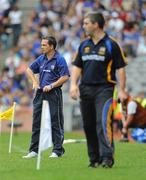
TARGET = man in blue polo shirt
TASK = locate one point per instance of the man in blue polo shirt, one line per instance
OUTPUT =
(53, 73)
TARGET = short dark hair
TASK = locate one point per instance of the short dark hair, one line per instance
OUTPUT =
(51, 40)
(96, 17)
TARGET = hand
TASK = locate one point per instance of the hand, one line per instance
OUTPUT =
(35, 86)
(122, 95)
(74, 92)
(124, 130)
(47, 88)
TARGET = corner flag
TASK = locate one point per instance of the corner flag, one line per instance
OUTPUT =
(45, 140)
(8, 114)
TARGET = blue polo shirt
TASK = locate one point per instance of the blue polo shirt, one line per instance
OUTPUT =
(49, 70)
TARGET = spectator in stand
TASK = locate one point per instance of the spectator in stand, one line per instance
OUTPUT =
(4, 6)
(115, 23)
(143, 10)
(63, 19)
(15, 16)
(141, 49)
(131, 38)
(98, 6)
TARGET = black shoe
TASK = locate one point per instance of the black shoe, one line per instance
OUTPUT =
(107, 163)
(59, 152)
(93, 164)
(62, 153)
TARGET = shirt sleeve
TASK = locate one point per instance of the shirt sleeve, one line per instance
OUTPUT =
(62, 67)
(78, 59)
(34, 66)
(118, 56)
(131, 109)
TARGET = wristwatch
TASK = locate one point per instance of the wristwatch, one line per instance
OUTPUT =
(51, 86)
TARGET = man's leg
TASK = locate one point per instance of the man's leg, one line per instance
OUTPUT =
(89, 122)
(104, 112)
(57, 120)
(37, 110)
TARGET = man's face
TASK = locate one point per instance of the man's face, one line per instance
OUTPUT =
(45, 47)
(89, 27)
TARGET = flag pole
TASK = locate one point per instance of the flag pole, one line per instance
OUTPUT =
(38, 159)
(39, 150)
(12, 126)
(45, 138)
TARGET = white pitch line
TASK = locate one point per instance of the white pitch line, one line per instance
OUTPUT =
(67, 141)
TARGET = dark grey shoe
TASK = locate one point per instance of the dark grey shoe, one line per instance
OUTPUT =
(93, 164)
(107, 163)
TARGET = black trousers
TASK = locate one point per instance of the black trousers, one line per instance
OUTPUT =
(96, 109)
(57, 121)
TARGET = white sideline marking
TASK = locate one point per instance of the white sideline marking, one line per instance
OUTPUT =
(67, 141)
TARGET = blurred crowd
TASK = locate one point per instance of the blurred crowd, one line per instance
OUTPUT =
(125, 21)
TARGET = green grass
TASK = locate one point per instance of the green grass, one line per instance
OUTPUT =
(130, 162)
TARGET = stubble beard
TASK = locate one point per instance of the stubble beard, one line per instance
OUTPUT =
(89, 34)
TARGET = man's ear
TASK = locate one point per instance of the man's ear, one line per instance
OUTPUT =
(51, 47)
(97, 25)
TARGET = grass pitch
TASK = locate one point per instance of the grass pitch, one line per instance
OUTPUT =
(130, 162)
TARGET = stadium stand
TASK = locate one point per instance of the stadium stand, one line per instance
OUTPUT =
(63, 18)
